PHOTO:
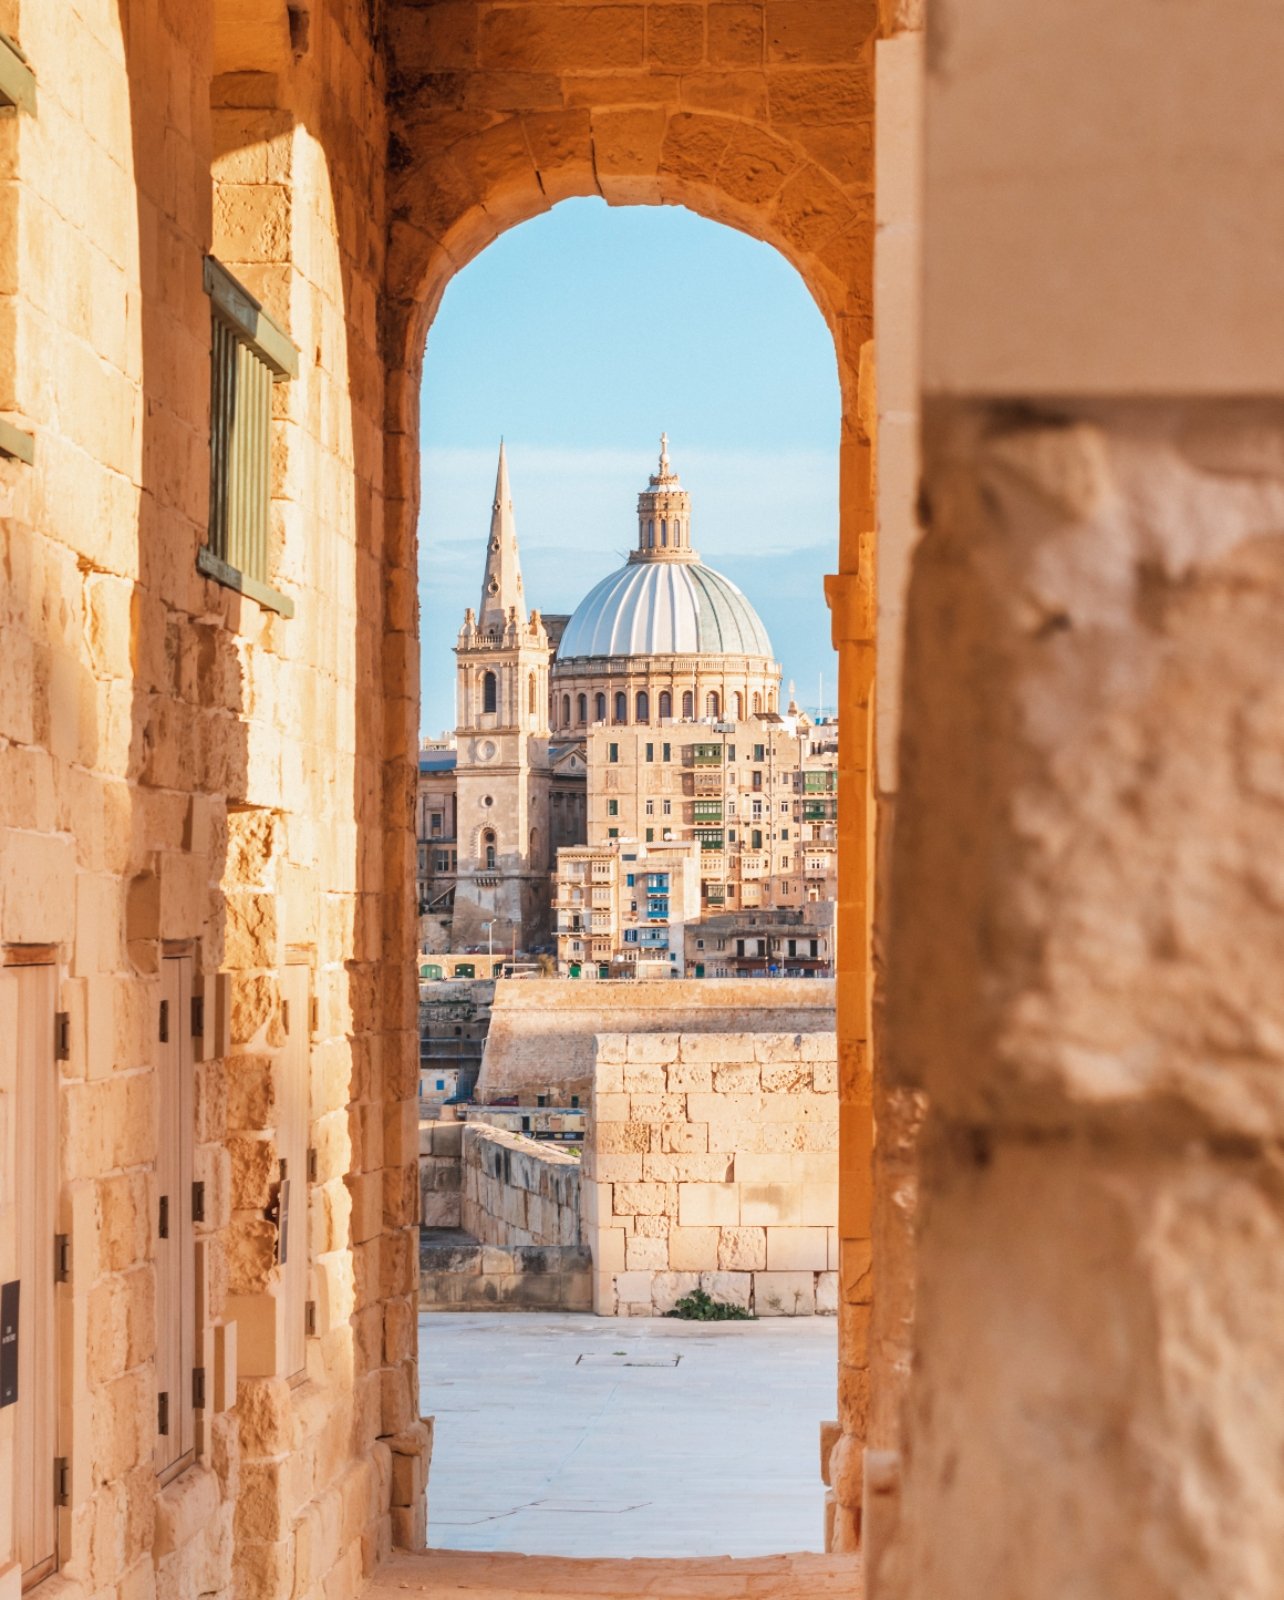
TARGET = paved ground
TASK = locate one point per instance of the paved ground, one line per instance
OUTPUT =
(586, 1436)
(442, 1573)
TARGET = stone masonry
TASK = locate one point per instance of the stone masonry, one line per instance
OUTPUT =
(711, 1163)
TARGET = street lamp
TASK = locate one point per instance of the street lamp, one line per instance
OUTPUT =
(490, 938)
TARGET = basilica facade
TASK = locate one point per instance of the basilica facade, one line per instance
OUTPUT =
(663, 642)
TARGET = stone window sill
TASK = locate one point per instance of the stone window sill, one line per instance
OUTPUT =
(209, 565)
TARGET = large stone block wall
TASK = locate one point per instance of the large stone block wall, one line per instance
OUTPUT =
(541, 1034)
(441, 1173)
(712, 1162)
(517, 1192)
(456, 1275)
(183, 773)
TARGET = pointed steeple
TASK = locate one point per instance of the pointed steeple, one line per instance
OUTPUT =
(502, 581)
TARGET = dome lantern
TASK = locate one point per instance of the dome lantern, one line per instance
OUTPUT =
(664, 515)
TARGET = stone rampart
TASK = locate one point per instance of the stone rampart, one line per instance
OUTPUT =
(712, 1162)
(461, 1275)
(516, 1192)
(542, 1033)
(440, 1173)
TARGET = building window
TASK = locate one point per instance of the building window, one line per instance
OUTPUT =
(667, 752)
(612, 808)
(566, 711)
(581, 708)
(650, 752)
(621, 706)
(756, 838)
(666, 807)
(688, 704)
(784, 833)
(642, 707)
(249, 354)
(666, 704)
(738, 705)
(599, 707)
(613, 833)
(712, 704)
(490, 692)
(488, 850)
(650, 808)
(650, 835)
(760, 752)
(756, 781)
(612, 752)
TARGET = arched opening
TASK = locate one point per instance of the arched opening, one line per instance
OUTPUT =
(488, 848)
(738, 705)
(673, 818)
(757, 704)
(490, 693)
(532, 695)
(581, 709)
(566, 711)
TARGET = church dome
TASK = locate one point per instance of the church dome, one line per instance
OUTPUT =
(661, 608)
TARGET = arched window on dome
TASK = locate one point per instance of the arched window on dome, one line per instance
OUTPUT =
(688, 704)
(599, 707)
(666, 705)
(650, 535)
(738, 705)
(712, 704)
(621, 706)
(642, 707)
(581, 709)
(490, 692)
(757, 705)
(664, 531)
(566, 710)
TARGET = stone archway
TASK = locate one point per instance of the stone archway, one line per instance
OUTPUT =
(757, 115)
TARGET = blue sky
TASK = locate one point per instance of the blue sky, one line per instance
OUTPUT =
(580, 336)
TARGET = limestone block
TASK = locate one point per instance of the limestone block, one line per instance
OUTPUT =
(786, 1077)
(797, 1249)
(608, 1250)
(736, 1078)
(693, 1249)
(655, 1108)
(633, 1288)
(366, 1189)
(769, 1167)
(617, 1169)
(184, 894)
(784, 1294)
(648, 1049)
(610, 1107)
(708, 1204)
(771, 1205)
(742, 1249)
(667, 1288)
(819, 1203)
(645, 1077)
(824, 1077)
(691, 1168)
(732, 1288)
(641, 1254)
(684, 1136)
(827, 1294)
(630, 1199)
(616, 1138)
(37, 888)
(684, 1076)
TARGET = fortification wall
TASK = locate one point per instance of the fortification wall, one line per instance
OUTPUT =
(516, 1192)
(542, 1033)
(712, 1163)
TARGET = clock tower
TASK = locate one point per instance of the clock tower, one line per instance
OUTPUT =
(503, 770)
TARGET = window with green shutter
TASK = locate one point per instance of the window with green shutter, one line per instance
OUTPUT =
(250, 354)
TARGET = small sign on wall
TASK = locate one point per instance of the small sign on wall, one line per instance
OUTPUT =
(9, 1342)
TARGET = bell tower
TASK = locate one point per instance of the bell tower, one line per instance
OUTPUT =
(502, 772)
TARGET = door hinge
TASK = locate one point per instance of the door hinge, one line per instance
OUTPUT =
(62, 1481)
(198, 1016)
(314, 1015)
(312, 1164)
(62, 1035)
(198, 1388)
(62, 1258)
(162, 1226)
(162, 1412)
(310, 1319)
(198, 1202)
(164, 1022)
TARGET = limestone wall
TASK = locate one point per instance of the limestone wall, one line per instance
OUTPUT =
(542, 1033)
(518, 1192)
(712, 1162)
(459, 1275)
(441, 1171)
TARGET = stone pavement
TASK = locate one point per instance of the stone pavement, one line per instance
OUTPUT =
(583, 1436)
(440, 1573)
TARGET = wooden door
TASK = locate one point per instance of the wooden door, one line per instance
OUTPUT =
(173, 1227)
(29, 1081)
(293, 1067)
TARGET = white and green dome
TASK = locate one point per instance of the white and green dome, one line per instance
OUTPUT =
(662, 607)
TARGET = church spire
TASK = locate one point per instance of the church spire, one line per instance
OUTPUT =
(502, 581)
